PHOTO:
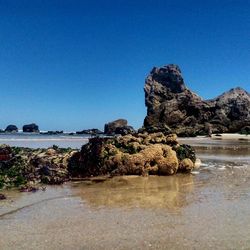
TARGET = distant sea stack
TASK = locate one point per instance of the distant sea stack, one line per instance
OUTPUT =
(31, 128)
(119, 126)
(171, 104)
(11, 128)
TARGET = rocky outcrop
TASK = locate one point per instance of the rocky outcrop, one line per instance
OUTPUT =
(170, 103)
(11, 128)
(138, 154)
(93, 131)
(31, 128)
(109, 128)
(51, 132)
(119, 126)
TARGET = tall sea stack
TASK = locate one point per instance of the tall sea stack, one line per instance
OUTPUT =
(170, 103)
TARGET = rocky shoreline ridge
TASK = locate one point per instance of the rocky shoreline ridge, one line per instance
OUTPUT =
(137, 154)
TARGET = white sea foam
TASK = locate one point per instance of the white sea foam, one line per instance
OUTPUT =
(195, 172)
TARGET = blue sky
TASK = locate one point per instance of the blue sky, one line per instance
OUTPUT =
(72, 65)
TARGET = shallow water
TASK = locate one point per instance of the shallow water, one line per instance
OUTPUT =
(208, 209)
(32, 140)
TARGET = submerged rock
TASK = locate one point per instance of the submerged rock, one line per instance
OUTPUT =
(31, 128)
(11, 128)
(170, 103)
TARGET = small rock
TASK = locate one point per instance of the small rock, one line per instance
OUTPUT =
(186, 165)
(28, 188)
(2, 197)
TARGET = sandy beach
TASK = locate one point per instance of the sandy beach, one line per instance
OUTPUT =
(230, 136)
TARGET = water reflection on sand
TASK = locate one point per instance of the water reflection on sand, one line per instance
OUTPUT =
(143, 192)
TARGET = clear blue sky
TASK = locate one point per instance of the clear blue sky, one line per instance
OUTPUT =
(73, 65)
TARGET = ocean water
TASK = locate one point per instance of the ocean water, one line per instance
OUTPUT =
(43, 141)
(207, 209)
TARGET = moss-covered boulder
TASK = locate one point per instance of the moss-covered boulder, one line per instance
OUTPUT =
(137, 154)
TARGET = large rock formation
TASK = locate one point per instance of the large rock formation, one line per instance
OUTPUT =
(171, 104)
(31, 128)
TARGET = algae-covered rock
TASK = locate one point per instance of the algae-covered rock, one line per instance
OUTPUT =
(137, 154)
(186, 165)
(19, 166)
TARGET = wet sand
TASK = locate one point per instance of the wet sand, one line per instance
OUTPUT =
(208, 209)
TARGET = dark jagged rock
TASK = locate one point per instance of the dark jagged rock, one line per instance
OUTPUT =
(119, 126)
(11, 128)
(125, 130)
(31, 128)
(93, 131)
(109, 128)
(170, 103)
(137, 154)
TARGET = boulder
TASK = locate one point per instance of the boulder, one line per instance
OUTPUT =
(110, 127)
(31, 128)
(186, 165)
(171, 104)
(11, 128)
